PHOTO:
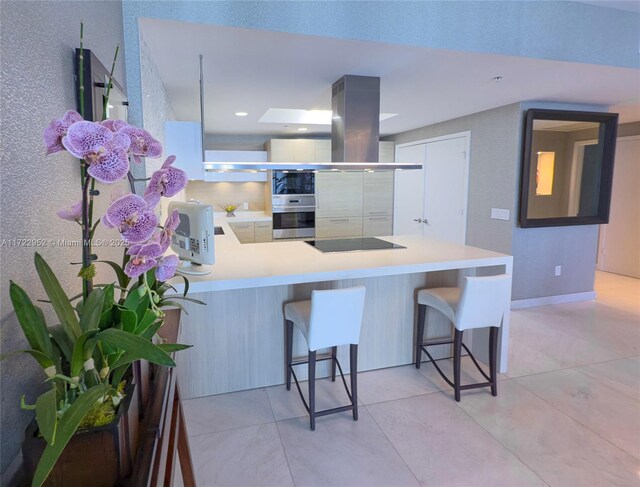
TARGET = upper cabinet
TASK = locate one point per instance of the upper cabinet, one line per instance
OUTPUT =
(314, 150)
(184, 140)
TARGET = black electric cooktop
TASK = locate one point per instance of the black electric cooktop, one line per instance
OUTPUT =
(352, 244)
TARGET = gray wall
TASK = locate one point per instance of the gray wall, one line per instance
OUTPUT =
(37, 42)
(492, 170)
(494, 174)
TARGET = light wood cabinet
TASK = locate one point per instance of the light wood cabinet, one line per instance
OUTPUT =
(244, 231)
(304, 150)
(323, 150)
(378, 193)
(386, 151)
(338, 194)
(263, 231)
(279, 150)
(373, 226)
(338, 227)
(299, 150)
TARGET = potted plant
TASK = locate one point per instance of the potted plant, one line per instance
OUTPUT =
(86, 359)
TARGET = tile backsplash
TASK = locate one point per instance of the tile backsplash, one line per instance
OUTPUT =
(217, 194)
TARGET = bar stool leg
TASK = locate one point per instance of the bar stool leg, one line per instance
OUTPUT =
(493, 356)
(334, 352)
(457, 354)
(288, 332)
(312, 390)
(353, 357)
(422, 312)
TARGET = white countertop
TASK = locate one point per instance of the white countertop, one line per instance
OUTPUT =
(242, 266)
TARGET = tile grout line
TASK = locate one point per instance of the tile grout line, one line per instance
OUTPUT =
(578, 422)
(392, 445)
(520, 459)
(284, 450)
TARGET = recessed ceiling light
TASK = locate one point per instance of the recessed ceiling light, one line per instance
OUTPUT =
(241, 114)
(302, 129)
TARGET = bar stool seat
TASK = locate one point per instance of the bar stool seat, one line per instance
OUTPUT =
(481, 303)
(329, 319)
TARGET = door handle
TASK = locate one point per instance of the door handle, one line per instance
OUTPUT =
(419, 220)
(425, 221)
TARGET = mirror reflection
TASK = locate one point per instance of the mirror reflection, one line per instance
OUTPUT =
(567, 167)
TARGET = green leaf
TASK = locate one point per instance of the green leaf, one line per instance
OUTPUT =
(120, 275)
(173, 347)
(59, 299)
(129, 320)
(143, 306)
(153, 328)
(62, 340)
(82, 353)
(147, 320)
(107, 319)
(138, 346)
(46, 415)
(44, 361)
(182, 298)
(91, 311)
(133, 299)
(172, 304)
(67, 426)
(31, 320)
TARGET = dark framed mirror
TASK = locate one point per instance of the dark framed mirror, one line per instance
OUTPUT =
(567, 167)
(95, 81)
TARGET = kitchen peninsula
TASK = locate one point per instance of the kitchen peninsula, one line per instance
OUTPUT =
(238, 336)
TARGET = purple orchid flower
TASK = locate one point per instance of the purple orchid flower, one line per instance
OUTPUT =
(57, 129)
(167, 266)
(114, 125)
(143, 259)
(103, 150)
(142, 143)
(170, 225)
(133, 218)
(72, 213)
(167, 181)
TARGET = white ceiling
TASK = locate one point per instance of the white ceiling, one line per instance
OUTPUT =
(254, 70)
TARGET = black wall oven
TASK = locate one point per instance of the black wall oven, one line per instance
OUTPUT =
(294, 216)
(293, 182)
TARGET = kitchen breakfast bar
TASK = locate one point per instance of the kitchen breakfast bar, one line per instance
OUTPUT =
(238, 336)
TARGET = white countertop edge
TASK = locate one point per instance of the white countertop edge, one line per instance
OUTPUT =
(336, 275)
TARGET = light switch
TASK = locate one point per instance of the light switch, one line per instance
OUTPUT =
(499, 214)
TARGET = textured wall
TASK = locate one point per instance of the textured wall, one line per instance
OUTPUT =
(492, 170)
(37, 42)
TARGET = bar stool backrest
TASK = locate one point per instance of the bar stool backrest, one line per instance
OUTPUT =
(483, 302)
(336, 317)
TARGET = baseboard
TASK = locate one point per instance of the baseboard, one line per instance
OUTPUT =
(558, 299)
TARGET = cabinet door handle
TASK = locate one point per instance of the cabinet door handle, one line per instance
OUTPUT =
(377, 213)
(419, 220)
(339, 220)
(378, 219)
(426, 222)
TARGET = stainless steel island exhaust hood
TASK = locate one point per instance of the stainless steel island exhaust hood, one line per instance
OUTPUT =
(355, 133)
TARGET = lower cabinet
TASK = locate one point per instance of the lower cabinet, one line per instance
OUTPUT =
(338, 227)
(373, 226)
(263, 232)
(253, 232)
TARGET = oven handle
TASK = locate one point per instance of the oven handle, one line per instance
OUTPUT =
(293, 209)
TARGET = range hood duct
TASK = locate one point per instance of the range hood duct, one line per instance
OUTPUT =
(355, 124)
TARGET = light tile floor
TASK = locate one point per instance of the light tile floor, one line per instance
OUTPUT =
(567, 414)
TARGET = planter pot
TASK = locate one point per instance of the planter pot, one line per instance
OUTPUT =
(99, 457)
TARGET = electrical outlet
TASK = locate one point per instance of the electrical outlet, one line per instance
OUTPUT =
(499, 214)
(558, 270)
(245, 206)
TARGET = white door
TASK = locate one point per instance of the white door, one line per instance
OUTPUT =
(434, 203)
(619, 245)
(408, 192)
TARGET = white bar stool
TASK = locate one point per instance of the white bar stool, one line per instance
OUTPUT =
(329, 319)
(482, 302)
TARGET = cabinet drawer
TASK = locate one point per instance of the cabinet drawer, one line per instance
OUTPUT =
(378, 193)
(338, 194)
(374, 226)
(338, 227)
(244, 231)
(263, 232)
